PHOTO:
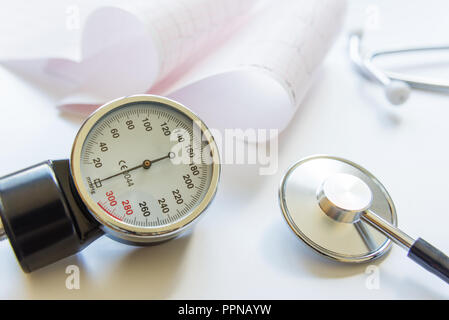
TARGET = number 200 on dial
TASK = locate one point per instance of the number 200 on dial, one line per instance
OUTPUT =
(145, 167)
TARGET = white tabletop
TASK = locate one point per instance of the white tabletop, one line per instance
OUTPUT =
(242, 248)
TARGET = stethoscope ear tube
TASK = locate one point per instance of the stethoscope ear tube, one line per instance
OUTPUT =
(430, 258)
(396, 91)
(397, 85)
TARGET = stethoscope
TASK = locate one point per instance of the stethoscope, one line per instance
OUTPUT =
(397, 86)
(343, 212)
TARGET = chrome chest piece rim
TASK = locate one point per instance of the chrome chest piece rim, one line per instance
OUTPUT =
(301, 203)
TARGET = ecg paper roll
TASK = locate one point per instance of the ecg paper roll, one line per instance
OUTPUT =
(237, 63)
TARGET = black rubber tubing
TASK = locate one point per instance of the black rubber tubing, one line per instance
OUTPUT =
(430, 258)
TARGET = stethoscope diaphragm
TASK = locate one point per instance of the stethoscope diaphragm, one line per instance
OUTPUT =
(298, 196)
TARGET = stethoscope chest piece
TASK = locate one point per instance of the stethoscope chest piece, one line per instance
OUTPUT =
(312, 196)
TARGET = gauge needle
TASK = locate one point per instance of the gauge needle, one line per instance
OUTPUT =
(146, 164)
(170, 155)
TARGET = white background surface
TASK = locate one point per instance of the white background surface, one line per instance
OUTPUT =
(242, 248)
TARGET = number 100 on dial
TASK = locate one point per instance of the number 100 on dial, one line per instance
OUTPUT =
(145, 167)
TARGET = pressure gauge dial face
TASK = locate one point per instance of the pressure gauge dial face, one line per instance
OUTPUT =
(145, 166)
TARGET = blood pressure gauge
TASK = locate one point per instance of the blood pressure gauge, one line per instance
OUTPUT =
(143, 168)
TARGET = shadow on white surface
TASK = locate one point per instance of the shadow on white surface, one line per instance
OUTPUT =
(240, 183)
(374, 97)
(148, 272)
(76, 118)
(137, 273)
(412, 288)
(284, 251)
(49, 282)
(27, 72)
(288, 254)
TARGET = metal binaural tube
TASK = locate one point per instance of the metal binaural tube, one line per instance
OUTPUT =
(364, 65)
(396, 91)
(395, 234)
(414, 81)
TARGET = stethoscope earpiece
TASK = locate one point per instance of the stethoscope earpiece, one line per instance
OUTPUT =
(343, 212)
(397, 92)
